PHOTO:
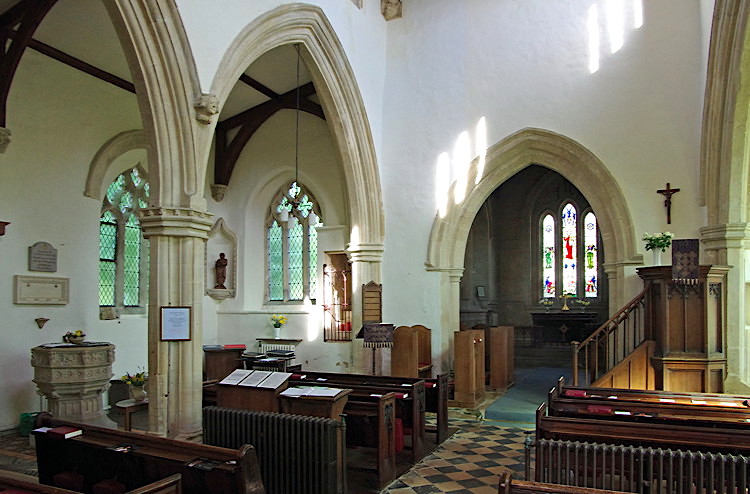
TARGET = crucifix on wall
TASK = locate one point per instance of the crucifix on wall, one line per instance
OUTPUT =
(667, 193)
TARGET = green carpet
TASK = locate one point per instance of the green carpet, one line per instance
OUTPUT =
(520, 402)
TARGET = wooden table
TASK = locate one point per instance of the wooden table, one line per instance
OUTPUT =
(129, 407)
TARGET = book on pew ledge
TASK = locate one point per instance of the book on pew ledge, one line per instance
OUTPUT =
(235, 347)
(311, 391)
(64, 432)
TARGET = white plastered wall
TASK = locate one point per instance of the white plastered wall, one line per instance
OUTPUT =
(58, 121)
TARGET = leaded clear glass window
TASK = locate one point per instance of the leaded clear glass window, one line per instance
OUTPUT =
(292, 246)
(123, 252)
(569, 252)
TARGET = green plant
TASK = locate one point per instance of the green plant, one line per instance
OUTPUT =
(658, 240)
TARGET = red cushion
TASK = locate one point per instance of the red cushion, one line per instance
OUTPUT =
(399, 433)
(108, 486)
(68, 480)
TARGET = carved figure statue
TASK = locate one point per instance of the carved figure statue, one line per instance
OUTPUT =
(221, 271)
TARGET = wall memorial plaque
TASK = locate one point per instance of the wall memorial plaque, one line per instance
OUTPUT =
(43, 257)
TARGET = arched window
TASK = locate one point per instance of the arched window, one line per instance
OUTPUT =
(292, 245)
(123, 252)
(569, 253)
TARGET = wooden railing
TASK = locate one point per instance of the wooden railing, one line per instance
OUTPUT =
(612, 341)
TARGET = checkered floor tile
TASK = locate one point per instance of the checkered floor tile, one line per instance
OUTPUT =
(469, 462)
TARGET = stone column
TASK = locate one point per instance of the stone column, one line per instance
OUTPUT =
(450, 315)
(728, 245)
(177, 248)
(366, 262)
(73, 379)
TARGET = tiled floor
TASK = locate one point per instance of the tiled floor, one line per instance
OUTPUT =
(469, 462)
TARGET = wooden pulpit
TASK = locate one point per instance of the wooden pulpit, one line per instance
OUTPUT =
(688, 324)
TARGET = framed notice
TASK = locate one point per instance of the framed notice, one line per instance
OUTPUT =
(175, 323)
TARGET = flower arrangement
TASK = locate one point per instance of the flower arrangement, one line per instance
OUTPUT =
(278, 320)
(546, 301)
(74, 336)
(582, 302)
(658, 240)
(136, 379)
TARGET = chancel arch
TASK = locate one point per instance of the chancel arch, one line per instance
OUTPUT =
(448, 238)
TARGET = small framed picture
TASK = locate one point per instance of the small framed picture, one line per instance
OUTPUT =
(480, 292)
(176, 323)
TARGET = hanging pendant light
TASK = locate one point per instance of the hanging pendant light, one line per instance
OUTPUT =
(295, 200)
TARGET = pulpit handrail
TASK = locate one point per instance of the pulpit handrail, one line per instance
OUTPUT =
(605, 330)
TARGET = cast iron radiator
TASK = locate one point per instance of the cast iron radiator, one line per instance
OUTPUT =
(639, 469)
(297, 454)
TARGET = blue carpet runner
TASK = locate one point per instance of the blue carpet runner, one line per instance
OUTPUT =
(520, 402)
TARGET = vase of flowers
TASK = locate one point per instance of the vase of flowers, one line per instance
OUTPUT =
(75, 337)
(277, 320)
(582, 303)
(658, 243)
(546, 302)
(136, 383)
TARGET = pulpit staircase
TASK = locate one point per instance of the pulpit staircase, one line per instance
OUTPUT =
(671, 336)
(607, 356)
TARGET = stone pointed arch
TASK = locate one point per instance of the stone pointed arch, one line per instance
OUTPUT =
(154, 42)
(108, 153)
(725, 148)
(556, 152)
(167, 86)
(339, 94)
(725, 174)
(447, 244)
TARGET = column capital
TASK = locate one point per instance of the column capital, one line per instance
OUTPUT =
(728, 235)
(175, 222)
(365, 252)
(455, 274)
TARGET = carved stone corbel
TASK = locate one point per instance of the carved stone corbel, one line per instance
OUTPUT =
(391, 9)
(206, 106)
(218, 191)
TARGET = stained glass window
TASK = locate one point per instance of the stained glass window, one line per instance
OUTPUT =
(590, 267)
(123, 252)
(569, 273)
(292, 246)
(569, 253)
(548, 256)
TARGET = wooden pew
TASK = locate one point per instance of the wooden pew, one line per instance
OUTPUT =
(370, 421)
(169, 485)
(410, 402)
(435, 393)
(649, 406)
(665, 434)
(137, 459)
(508, 485)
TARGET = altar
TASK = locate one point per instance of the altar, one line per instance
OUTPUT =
(558, 326)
